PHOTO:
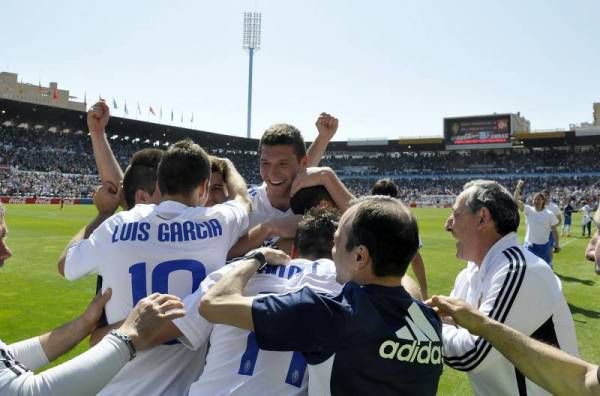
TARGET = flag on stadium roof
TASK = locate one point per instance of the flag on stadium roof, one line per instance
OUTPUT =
(182, 117)
(125, 109)
(139, 108)
(171, 115)
(115, 104)
(161, 112)
(55, 94)
(85, 99)
(151, 110)
(192, 119)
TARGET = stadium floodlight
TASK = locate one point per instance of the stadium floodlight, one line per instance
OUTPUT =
(251, 42)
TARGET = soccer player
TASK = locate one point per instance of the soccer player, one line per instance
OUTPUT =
(552, 369)
(507, 284)
(372, 338)
(90, 371)
(235, 365)
(540, 222)
(283, 169)
(169, 247)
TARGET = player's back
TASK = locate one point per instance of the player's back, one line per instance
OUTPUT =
(235, 364)
(167, 248)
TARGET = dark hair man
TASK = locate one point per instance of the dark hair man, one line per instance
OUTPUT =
(169, 247)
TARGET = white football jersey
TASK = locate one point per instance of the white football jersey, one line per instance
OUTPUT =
(165, 248)
(235, 364)
(262, 210)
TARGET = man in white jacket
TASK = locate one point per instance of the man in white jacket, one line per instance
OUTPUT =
(504, 282)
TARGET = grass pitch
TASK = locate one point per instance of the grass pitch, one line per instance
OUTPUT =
(35, 299)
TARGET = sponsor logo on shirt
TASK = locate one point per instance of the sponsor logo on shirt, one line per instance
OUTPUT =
(416, 342)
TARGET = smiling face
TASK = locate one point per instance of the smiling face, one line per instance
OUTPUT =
(279, 165)
(464, 227)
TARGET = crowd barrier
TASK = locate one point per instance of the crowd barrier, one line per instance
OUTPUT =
(45, 200)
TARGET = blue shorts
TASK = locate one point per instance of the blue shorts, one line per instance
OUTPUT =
(543, 251)
(567, 220)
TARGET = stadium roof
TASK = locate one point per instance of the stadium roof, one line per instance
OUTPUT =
(72, 121)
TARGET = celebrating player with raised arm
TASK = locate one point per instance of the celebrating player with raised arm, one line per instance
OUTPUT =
(169, 247)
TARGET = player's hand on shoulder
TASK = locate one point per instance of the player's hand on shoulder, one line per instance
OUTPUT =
(147, 317)
(275, 256)
(107, 198)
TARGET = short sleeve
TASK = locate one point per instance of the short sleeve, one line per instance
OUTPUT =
(528, 210)
(301, 321)
(85, 256)
(236, 216)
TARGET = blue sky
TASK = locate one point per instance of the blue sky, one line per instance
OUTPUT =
(386, 68)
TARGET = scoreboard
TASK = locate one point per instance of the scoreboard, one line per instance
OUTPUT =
(488, 129)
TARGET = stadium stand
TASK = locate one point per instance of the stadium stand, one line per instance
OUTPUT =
(62, 164)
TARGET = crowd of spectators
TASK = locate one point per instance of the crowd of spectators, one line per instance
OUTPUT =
(44, 163)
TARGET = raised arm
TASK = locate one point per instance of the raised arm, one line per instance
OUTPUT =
(106, 163)
(554, 370)
(236, 185)
(327, 126)
(517, 195)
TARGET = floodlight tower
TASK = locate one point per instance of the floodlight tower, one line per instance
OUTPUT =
(251, 43)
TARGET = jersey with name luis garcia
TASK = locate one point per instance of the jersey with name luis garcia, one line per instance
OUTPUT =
(166, 248)
(368, 340)
(235, 365)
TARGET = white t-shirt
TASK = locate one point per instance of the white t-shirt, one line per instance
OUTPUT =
(539, 225)
(586, 211)
(552, 207)
(235, 364)
(262, 210)
(166, 248)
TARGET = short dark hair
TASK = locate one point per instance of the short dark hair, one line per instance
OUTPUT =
(314, 236)
(388, 229)
(141, 174)
(309, 197)
(184, 167)
(501, 204)
(385, 187)
(283, 134)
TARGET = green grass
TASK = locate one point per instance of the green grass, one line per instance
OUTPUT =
(35, 299)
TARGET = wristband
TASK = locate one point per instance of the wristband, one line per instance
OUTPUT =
(127, 340)
(258, 256)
